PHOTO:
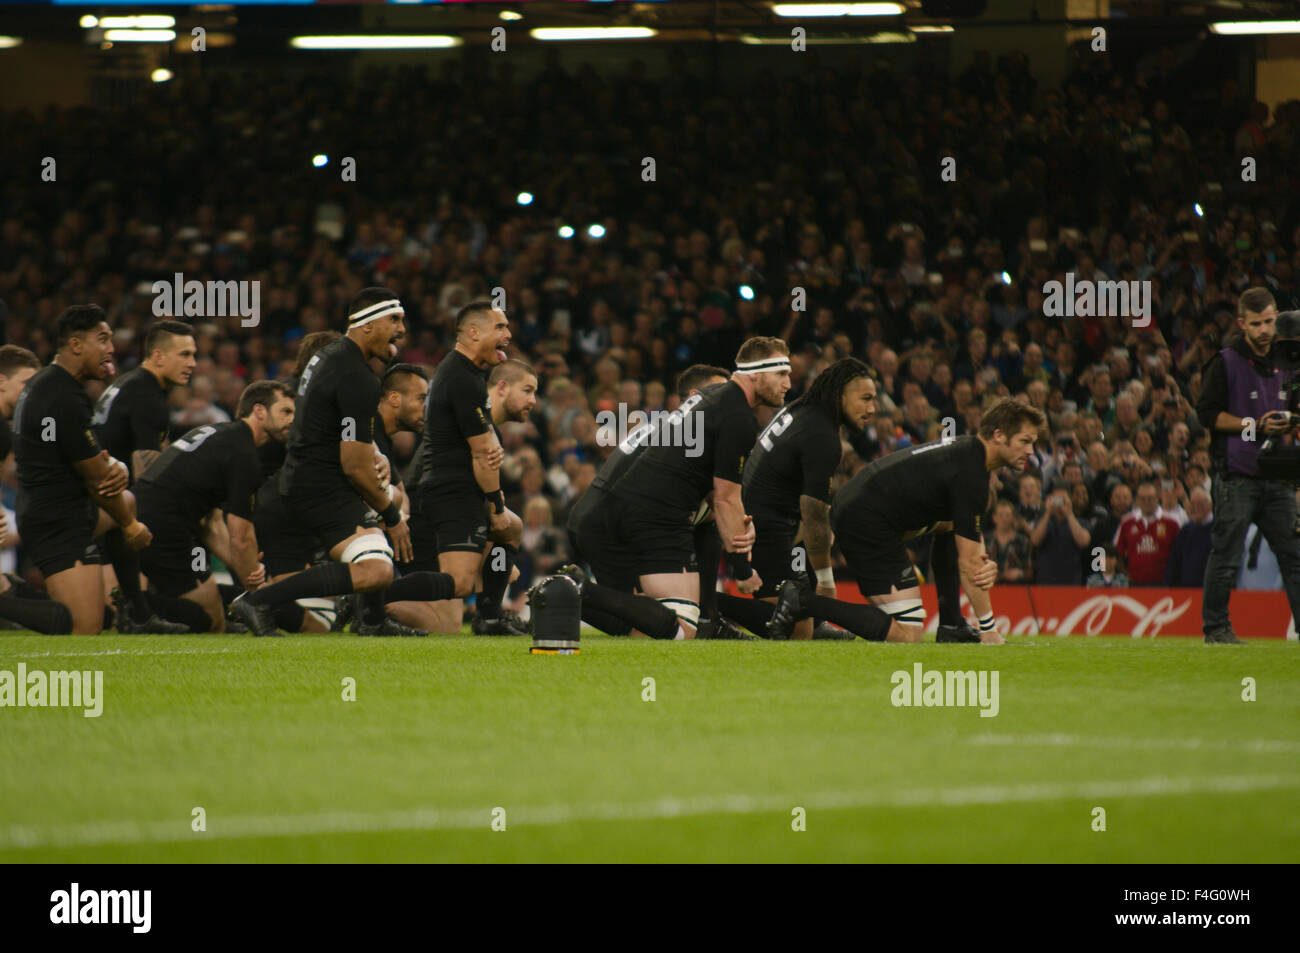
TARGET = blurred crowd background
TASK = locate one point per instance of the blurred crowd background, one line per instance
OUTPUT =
(827, 182)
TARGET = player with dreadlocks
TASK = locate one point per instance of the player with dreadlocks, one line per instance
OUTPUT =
(787, 489)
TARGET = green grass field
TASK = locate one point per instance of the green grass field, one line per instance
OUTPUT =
(444, 730)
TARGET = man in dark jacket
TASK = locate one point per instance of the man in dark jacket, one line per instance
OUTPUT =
(1192, 545)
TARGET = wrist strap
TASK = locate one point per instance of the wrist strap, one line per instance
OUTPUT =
(987, 623)
(825, 577)
(739, 567)
(392, 515)
(498, 500)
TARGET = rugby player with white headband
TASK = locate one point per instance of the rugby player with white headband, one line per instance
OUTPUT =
(330, 486)
(698, 450)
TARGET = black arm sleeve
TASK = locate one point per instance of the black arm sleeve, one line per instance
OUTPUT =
(470, 415)
(736, 438)
(359, 403)
(241, 485)
(1214, 393)
(72, 430)
(820, 456)
(969, 497)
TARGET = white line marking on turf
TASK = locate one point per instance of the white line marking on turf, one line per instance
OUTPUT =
(116, 652)
(1259, 745)
(427, 819)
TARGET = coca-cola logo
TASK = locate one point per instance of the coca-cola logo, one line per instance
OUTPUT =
(1096, 616)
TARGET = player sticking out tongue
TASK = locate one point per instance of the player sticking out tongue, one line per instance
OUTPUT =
(377, 311)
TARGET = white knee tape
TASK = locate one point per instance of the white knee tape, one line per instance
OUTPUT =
(687, 611)
(369, 546)
(906, 611)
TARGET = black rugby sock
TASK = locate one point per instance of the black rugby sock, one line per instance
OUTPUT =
(329, 579)
(605, 622)
(422, 587)
(126, 566)
(751, 613)
(640, 612)
(708, 551)
(496, 576)
(289, 616)
(864, 621)
(176, 609)
(947, 580)
(40, 615)
(372, 607)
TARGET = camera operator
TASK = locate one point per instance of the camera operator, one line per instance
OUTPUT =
(1242, 396)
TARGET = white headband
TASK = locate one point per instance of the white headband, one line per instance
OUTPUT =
(374, 312)
(764, 365)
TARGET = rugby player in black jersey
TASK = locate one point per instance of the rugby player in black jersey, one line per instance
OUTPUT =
(645, 540)
(287, 548)
(512, 390)
(460, 480)
(930, 488)
(591, 508)
(20, 603)
(403, 391)
(65, 477)
(787, 491)
(213, 471)
(330, 485)
(132, 420)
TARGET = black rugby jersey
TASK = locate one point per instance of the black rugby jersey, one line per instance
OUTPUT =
(337, 397)
(796, 455)
(51, 433)
(456, 409)
(708, 436)
(132, 414)
(917, 487)
(212, 466)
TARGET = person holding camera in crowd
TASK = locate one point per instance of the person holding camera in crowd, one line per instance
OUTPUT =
(1059, 539)
(1243, 403)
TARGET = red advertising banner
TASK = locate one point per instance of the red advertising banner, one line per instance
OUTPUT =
(1138, 612)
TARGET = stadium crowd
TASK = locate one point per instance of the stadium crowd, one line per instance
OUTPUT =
(812, 209)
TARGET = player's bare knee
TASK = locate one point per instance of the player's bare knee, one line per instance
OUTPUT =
(370, 561)
(464, 583)
(371, 574)
(905, 633)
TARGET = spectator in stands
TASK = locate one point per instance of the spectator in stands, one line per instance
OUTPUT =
(1120, 500)
(1009, 546)
(1128, 423)
(1146, 537)
(1030, 502)
(1060, 540)
(1172, 494)
(1112, 577)
(1191, 549)
(544, 546)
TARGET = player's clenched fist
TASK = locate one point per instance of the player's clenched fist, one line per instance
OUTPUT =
(986, 574)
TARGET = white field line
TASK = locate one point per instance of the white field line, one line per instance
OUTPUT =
(115, 652)
(429, 819)
(1256, 745)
